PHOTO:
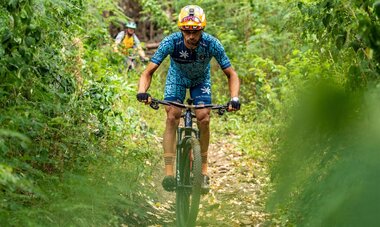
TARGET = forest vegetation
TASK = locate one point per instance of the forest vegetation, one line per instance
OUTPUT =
(77, 149)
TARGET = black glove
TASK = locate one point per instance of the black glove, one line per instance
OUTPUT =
(234, 104)
(143, 97)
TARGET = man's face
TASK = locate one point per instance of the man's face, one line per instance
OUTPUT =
(130, 31)
(192, 37)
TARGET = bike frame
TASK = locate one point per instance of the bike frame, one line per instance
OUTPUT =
(184, 134)
(188, 162)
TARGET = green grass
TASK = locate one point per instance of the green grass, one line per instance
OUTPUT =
(108, 193)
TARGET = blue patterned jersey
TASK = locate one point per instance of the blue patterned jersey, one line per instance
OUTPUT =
(190, 67)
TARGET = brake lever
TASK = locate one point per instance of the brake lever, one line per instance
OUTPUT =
(221, 111)
(154, 105)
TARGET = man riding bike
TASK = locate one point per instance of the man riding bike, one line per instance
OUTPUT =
(129, 44)
(190, 52)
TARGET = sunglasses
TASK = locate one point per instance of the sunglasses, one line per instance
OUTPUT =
(191, 28)
(191, 18)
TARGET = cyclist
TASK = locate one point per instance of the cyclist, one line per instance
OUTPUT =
(190, 50)
(129, 43)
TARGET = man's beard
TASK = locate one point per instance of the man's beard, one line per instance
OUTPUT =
(192, 43)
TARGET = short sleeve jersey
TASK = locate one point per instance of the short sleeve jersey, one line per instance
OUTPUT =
(190, 67)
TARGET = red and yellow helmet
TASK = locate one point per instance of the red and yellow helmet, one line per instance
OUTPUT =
(191, 17)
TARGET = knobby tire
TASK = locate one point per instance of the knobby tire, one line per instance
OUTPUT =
(187, 199)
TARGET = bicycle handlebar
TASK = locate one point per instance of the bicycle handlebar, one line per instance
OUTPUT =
(221, 108)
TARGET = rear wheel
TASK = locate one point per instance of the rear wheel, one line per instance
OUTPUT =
(189, 192)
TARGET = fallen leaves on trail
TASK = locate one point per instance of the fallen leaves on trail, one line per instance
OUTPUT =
(237, 192)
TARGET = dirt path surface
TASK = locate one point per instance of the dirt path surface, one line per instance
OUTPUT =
(237, 189)
(236, 194)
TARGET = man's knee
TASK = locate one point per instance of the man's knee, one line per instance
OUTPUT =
(173, 116)
(203, 119)
(172, 120)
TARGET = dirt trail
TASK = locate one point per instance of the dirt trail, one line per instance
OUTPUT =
(237, 189)
(236, 194)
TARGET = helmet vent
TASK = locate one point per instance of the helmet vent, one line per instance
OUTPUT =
(191, 12)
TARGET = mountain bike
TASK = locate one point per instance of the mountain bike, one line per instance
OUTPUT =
(188, 162)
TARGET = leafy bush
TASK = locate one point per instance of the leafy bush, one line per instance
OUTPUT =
(326, 167)
(62, 122)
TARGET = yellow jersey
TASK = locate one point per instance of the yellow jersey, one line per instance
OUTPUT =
(128, 43)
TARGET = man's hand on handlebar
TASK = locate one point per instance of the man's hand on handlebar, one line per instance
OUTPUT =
(233, 104)
(144, 97)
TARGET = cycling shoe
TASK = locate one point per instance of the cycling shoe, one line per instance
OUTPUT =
(169, 183)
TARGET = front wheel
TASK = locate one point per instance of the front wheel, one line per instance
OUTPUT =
(189, 189)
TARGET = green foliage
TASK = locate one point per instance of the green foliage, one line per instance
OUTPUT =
(62, 122)
(105, 195)
(345, 26)
(157, 11)
(327, 162)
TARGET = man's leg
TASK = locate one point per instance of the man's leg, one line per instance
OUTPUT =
(173, 116)
(203, 120)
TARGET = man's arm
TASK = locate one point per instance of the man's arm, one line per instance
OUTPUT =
(146, 77)
(234, 86)
(163, 50)
(142, 53)
(233, 81)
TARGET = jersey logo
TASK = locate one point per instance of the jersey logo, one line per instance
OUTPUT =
(183, 54)
(206, 90)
